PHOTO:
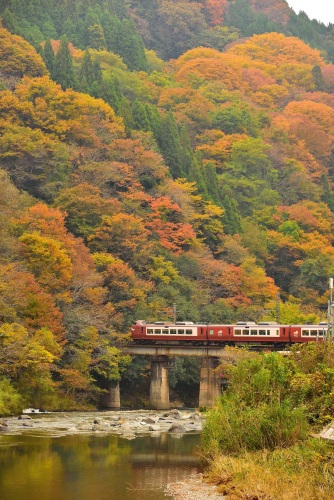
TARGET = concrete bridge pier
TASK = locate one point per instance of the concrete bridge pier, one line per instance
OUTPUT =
(112, 398)
(210, 383)
(159, 390)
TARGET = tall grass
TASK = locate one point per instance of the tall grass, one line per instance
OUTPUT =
(302, 472)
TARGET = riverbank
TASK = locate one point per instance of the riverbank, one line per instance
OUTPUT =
(194, 488)
(282, 474)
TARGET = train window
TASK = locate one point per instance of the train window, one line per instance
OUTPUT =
(305, 333)
(277, 332)
(149, 331)
(157, 330)
(189, 332)
(321, 334)
(313, 333)
(180, 331)
(268, 332)
(211, 332)
(245, 332)
(262, 332)
(165, 331)
(172, 331)
(253, 332)
(237, 332)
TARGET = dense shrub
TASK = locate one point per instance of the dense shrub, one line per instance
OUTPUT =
(233, 427)
(10, 401)
(258, 410)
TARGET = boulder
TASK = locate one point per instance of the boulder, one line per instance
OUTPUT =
(115, 418)
(101, 427)
(148, 420)
(176, 428)
(172, 413)
(192, 427)
(154, 428)
(84, 426)
(195, 416)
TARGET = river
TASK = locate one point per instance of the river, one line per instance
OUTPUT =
(37, 466)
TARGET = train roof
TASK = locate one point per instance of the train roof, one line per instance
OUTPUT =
(238, 323)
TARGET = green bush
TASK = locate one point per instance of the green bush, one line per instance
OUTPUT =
(10, 400)
(257, 411)
(232, 427)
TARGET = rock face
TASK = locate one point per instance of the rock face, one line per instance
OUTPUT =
(127, 424)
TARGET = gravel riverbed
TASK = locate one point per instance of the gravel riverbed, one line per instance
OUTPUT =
(127, 424)
(194, 488)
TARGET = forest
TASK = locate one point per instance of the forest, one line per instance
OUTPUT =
(155, 153)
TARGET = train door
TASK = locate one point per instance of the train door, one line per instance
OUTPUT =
(203, 333)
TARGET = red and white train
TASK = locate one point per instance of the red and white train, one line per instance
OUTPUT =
(262, 334)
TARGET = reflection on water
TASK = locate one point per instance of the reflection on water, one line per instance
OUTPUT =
(93, 467)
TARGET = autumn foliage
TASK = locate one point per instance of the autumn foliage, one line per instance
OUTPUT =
(204, 181)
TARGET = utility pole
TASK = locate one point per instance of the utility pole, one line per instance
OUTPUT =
(278, 312)
(174, 313)
(330, 311)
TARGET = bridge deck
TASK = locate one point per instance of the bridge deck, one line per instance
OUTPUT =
(154, 350)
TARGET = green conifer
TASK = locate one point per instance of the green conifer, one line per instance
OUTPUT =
(318, 79)
(110, 25)
(109, 93)
(327, 196)
(195, 174)
(96, 39)
(49, 30)
(231, 217)
(86, 74)
(140, 119)
(169, 144)
(9, 22)
(130, 46)
(49, 57)
(63, 66)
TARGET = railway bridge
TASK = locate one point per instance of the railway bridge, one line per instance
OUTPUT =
(210, 382)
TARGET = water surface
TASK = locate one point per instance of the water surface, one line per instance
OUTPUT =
(92, 467)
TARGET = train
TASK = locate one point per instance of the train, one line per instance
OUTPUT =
(242, 333)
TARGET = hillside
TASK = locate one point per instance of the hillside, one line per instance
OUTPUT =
(130, 184)
(169, 27)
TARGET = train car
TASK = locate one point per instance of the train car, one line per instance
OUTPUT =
(168, 333)
(273, 334)
(307, 333)
(257, 335)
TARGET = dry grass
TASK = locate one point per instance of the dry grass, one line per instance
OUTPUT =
(303, 472)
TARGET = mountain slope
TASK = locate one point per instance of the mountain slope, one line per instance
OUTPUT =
(204, 181)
